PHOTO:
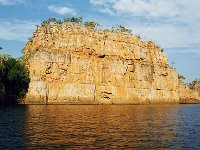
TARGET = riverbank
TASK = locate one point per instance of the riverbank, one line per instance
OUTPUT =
(190, 101)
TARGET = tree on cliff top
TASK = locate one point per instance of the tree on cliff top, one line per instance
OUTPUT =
(181, 77)
(73, 20)
(122, 29)
(51, 21)
(91, 24)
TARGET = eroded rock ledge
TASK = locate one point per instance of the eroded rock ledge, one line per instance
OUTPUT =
(70, 64)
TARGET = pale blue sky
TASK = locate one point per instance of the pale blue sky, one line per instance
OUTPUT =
(173, 24)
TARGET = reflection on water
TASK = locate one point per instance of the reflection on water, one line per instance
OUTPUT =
(100, 126)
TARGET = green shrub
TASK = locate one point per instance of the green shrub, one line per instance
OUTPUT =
(122, 29)
(73, 20)
(181, 77)
(138, 36)
(51, 21)
(14, 78)
(91, 24)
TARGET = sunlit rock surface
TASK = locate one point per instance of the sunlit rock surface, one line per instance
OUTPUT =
(70, 64)
(195, 85)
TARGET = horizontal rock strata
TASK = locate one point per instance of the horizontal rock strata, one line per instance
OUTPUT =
(70, 64)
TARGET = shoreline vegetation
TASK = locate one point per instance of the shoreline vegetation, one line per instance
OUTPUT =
(14, 80)
(14, 77)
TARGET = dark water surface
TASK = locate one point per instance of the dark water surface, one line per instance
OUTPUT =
(100, 126)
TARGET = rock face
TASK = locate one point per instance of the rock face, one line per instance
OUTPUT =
(70, 64)
(195, 85)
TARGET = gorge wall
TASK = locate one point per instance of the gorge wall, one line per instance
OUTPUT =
(197, 88)
(71, 64)
(195, 85)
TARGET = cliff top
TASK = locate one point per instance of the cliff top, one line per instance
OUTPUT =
(78, 38)
(119, 32)
(105, 34)
(86, 39)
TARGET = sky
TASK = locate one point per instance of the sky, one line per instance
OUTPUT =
(172, 24)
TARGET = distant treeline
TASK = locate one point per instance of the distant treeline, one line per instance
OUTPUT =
(14, 80)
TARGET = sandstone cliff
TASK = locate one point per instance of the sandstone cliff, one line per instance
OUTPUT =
(71, 64)
(195, 85)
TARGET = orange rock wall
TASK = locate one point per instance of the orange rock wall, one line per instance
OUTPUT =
(70, 64)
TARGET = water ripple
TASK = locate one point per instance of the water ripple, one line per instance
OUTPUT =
(100, 127)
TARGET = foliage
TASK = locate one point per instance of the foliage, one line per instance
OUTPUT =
(181, 77)
(73, 20)
(151, 42)
(91, 24)
(4, 57)
(158, 46)
(51, 21)
(192, 84)
(122, 29)
(138, 36)
(14, 77)
(30, 39)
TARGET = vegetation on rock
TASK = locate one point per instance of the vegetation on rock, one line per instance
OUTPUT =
(181, 77)
(194, 83)
(51, 21)
(89, 24)
(122, 29)
(14, 79)
(73, 20)
(138, 36)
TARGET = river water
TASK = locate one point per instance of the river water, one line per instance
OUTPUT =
(100, 127)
